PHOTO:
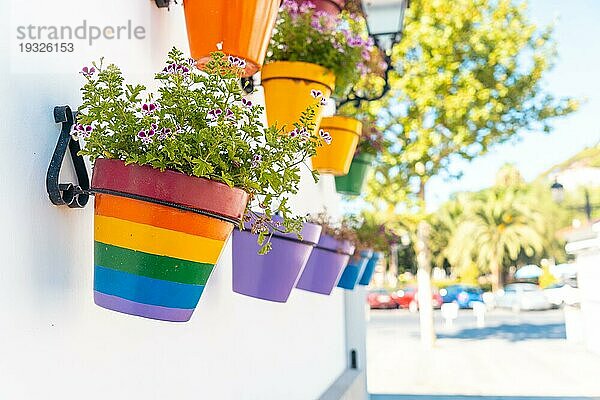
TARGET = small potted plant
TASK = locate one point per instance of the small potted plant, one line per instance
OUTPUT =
(173, 172)
(373, 240)
(242, 28)
(378, 238)
(312, 55)
(270, 276)
(371, 144)
(329, 257)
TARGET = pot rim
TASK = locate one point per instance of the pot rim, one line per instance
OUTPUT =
(329, 243)
(310, 232)
(341, 122)
(298, 70)
(169, 188)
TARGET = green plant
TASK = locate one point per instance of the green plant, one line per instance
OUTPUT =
(341, 230)
(372, 140)
(199, 124)
(339, 43)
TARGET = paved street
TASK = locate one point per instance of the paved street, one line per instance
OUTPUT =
(516, 356)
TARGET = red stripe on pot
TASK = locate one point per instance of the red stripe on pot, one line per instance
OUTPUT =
(170, 187)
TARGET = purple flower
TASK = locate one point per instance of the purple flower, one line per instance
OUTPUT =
(214, 114)
(246, 103)
(146, 136)
(306, 6)
(87, 131)
(294, 133)
(323, 101)
(237, 62)
(88, 71)
(256, 160)
(326, 136)
(149, 108)
(316, 93)
(81, 131)
(355, 41)
(229, 114)
(174, 68)
(304, 134)
(164, 133)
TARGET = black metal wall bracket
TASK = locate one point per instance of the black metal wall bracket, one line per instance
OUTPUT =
(163, 3)
(69, 194)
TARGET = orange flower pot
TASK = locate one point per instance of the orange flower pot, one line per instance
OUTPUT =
(288, 86)
(335, 158)
(243, 26)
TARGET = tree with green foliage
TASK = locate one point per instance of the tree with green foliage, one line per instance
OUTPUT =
(468, 77)
(495, 229)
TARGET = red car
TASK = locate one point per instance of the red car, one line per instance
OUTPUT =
(381, 298)
(407, 298)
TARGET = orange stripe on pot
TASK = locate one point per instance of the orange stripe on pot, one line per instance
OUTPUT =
(335, 158)
(288, 86)
(158, 241)
(162, 216)
(242, 26)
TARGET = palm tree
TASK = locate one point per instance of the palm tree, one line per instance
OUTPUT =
(495, 229)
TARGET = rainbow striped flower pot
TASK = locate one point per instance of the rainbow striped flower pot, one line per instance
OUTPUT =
(271, 276)
(354, 270)
(157, 237)
(370, 268)
(325, 265)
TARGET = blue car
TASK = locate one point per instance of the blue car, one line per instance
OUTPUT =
(463, 295)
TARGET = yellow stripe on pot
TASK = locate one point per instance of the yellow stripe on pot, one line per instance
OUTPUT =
(335, 158)
(288, 86)
(153, 240)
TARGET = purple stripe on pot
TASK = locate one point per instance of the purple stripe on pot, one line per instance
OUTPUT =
(271, 276)
(142, 310)
(354, 270)
(325, 265)
(370, 268)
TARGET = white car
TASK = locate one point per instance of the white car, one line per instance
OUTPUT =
(522, 296)
(562, 293)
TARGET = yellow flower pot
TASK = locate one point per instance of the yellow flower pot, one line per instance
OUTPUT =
(335, 158)
(288, 86)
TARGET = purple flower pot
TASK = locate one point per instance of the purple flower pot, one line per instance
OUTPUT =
(325, 265)
(272, 276)
(354, 270)
(370, 268)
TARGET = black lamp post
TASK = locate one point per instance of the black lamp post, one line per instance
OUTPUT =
(558, 194)
(385, 21)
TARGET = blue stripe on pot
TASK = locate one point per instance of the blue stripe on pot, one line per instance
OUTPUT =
(354, 270)
(146, 290)
(370, 268)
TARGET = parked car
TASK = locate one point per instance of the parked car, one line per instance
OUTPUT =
(380, 299)
(522, 296)
(562, 293)
(463, 295)
(406, 297)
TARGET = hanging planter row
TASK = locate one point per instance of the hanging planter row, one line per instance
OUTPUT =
(176, 171)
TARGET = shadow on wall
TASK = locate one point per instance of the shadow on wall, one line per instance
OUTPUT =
(511, 333)
(459, 397)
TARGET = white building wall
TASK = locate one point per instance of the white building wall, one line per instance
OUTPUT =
(54, 342)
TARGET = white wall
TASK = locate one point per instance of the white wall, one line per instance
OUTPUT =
(54, 342)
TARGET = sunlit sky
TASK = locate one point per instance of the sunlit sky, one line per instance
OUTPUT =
(577, 74)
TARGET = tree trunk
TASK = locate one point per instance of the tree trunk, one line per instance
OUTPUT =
(497, 281)
(424, 278)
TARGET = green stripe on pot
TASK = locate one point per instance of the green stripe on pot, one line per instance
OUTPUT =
(353, 183)
(150, 265)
